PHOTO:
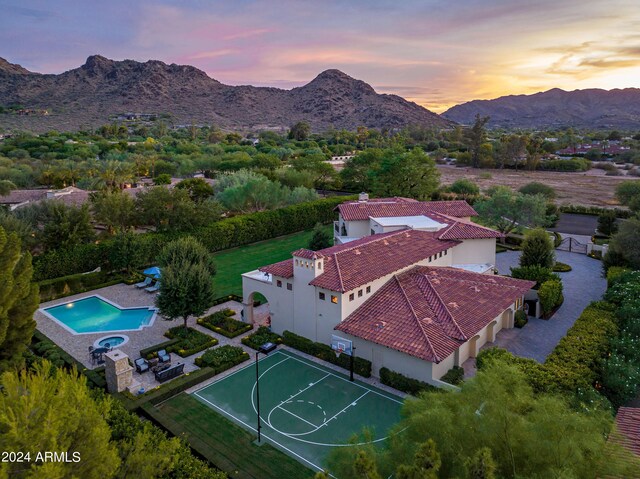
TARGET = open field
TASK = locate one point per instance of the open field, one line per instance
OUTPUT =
(589, 188)
(233, 262)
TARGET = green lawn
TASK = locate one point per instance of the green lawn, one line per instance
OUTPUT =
(228, 446)
(233, 262)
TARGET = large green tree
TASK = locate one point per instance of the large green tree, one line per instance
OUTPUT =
(115, 209)
(321, 238)
(412, 174)
(185, 286)
(476, 136)
(300, 131)
(505, 210)
(18, 301)
(624, 246)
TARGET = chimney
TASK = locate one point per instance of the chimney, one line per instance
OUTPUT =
(362, 197)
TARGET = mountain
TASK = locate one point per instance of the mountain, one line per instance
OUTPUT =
(592, 108)
(87, 96)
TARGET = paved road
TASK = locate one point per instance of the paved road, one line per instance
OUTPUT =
(576, 224)
(581, 286)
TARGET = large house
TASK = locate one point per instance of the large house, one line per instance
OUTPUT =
(414, 289)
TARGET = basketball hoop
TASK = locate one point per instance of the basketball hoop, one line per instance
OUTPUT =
(338, 351)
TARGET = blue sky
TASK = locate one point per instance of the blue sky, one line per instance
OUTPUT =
(437, 53)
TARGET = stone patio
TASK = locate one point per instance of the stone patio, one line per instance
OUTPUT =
(126, 296)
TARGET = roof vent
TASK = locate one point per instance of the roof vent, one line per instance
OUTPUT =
(380, 325)
(454, 305)
(357, 252)
(363, 196)
(475, 288)
(385, 242)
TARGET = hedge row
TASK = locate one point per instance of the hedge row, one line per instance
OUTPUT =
(262, 336)
(221, 322)
(403, 383)
(220, 235)
(150, 352)
(43, 347)
(323, 351)
(76, 283)
(454, 376)
(222, 358)
(164, 392)
(594, 210)
(190, 341)
(550, 296)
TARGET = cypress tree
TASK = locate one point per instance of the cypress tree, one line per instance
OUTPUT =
(537, 249)
(18, 301)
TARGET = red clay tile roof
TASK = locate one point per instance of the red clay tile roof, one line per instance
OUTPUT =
(351, 265)
(383, 207)
(283, 269)
(461, 230)
(628, 425)
(354, 264)
(307, 254)
(428, 312)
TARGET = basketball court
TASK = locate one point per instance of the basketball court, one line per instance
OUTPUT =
(305, 409)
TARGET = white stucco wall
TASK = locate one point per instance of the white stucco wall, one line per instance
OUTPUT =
(475, 251)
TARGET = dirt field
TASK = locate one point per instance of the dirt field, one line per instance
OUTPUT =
(590, 188)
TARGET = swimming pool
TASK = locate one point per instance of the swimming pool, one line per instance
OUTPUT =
(95, 314)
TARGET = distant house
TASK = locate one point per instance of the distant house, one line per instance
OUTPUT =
(69, 195)
(411, 286)
(608, 148)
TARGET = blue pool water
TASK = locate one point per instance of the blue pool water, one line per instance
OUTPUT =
(112, 341)
(94, 315)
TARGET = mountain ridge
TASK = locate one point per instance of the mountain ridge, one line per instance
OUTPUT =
(586, 108)
(88, 95)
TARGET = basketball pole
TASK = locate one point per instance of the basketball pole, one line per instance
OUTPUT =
(351, 361)
(258, 395)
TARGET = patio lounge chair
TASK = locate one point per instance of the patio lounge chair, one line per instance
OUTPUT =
(141, 365)
(154, 288)
(147, 281)
(163, 356)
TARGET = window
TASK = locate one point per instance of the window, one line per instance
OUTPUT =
(429, 259)
(320, 265)
(279, 284)
(334, 299)
(289, 286)
(372, 232)
(360, 294)
(368, 289)
(297, 262)
(351, 297)
(445, 252)
(321, 296)
(440, 255)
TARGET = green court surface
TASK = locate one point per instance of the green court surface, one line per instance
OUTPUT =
(306, 410)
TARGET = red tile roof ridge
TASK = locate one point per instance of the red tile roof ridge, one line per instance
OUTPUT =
(335, 258)
(418, 321)
(462, 337)
(366, 240)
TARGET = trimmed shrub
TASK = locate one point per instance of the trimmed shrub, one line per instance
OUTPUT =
(454, 376)
(520, 319)
(403, 383)
(323, 351)
(559, 267)
(594, 210)
(151, 351)
(534, 273)
(262, 336)
(537, 249)
(550, 295)
(221, 322)
(614, 273)
(222, 358)
(190, 341)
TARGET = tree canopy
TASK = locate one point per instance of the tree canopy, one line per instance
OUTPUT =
(505, 210)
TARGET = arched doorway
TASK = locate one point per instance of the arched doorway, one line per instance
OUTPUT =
(491, 333)
(507, 319)
(255, 309)
(473, 346)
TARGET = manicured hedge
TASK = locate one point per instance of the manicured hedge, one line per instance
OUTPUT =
(454, 376)
(221, 322)
(222, 358)
(190, 341)
(536, 273)
(76, 283)
(323, 351)
(559, 267)
(261, 336)
(43, 347)
(220, 235)
(520, 319)
(165, 391)
(403, 383)
(150, 352)
(594, 210)
(550, 295)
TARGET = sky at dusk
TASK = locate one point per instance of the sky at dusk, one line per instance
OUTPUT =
(436, 53)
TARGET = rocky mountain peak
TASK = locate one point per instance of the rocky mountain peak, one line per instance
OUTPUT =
(5, 66)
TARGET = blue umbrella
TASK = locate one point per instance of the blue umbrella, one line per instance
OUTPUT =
(153, 271)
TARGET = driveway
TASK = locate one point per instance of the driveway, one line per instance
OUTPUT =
(582, 285)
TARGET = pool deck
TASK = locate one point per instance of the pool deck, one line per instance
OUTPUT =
(127, 297)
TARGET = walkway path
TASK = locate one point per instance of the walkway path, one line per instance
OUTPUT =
(537, 339)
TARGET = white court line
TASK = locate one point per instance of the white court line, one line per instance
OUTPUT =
(296, 416)
(263, 435)
(343, 379)
(353, 403)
